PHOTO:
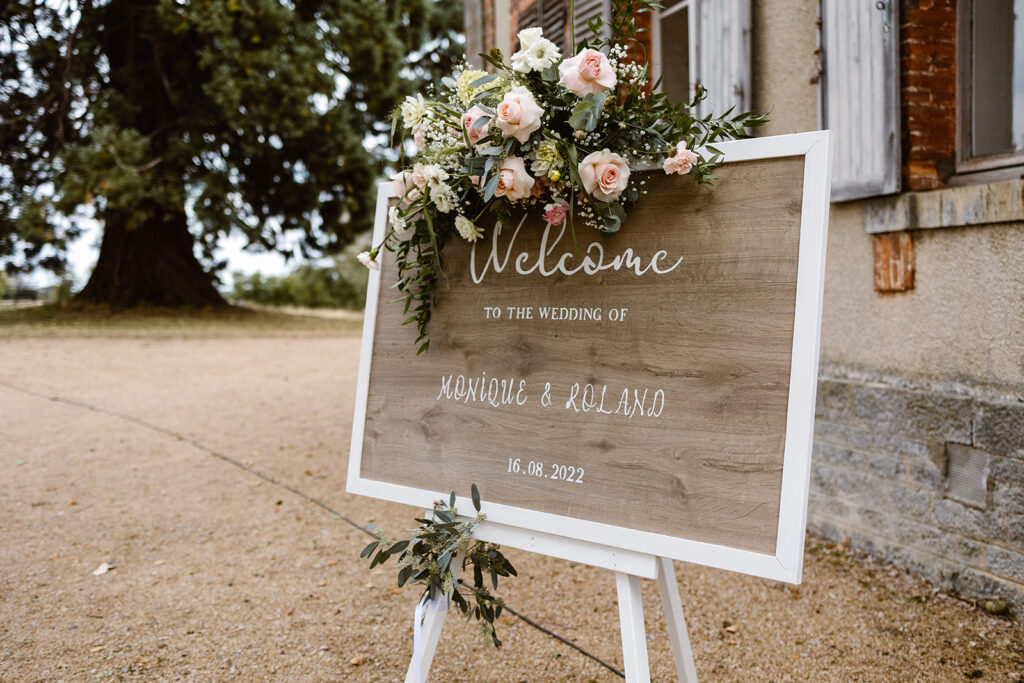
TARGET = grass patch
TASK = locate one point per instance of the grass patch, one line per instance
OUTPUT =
(78, 320)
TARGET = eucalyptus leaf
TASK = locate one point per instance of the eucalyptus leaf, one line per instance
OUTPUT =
(490, 188)
(483, 80)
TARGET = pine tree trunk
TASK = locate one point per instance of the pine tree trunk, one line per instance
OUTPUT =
(149, 264)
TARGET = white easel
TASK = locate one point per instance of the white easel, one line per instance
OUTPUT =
(629, 568)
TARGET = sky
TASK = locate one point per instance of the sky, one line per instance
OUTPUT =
(82, 254)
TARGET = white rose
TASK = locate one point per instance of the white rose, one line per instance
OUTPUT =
(536, 53)
(529, 36)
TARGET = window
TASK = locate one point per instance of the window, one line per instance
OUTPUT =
(991, 121)
(673, 41)
(706, 42)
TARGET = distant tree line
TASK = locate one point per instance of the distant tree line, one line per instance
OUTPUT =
(341, 283)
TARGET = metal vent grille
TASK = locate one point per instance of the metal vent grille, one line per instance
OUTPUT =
(967, 474)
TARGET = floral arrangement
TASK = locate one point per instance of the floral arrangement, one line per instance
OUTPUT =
(439, 545)
(547, 131)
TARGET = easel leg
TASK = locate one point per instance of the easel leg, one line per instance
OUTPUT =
(426, 643)
(674, 621)
(631, 622)
(428, 634)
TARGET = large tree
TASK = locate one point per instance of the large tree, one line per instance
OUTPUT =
(175, 122)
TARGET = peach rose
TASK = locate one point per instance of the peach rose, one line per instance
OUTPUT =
(604, 175)
(404, 188)
(419, 179)
(469, 118)
(518, 114)
(681, 162)
(587, 72)
(513, 180)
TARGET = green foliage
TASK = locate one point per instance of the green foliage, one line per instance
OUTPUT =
(256, 115)
(427, 558)
(3, 284)
(340, 284)
(639, 125)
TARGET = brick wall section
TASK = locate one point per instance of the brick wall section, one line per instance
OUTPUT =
(640, 49)
(928, 89)
(879, 479)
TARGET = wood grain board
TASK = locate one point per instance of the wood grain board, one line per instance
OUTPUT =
(714, 335)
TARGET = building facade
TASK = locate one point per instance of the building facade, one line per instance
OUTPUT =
(919, 448)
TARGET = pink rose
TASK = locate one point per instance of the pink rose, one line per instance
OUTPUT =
(518, 114)
(513, 180)
(555, 213)
(421, 143)
(404, 188)
(604, 175)
(681, 162)
(587, 72)
(469, 118)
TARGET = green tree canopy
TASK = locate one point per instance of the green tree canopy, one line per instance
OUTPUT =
(175, 122)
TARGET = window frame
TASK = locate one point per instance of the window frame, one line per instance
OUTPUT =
(693, 28)
(997, 166)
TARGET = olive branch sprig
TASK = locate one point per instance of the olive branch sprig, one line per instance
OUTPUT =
(435, 549)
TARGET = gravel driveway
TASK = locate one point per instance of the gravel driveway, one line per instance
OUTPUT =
(207, 473)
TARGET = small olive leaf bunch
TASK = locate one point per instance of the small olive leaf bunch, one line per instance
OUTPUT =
(427, 558)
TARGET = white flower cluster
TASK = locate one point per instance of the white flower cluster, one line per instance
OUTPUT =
(441, 193)
(467, 229)
(536, 52)
(626, 69)
(398, 223)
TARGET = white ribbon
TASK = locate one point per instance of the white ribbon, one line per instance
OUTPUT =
(425, 609)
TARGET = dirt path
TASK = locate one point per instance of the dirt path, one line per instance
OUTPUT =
(105, 449)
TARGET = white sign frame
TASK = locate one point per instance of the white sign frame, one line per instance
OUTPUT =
(786, 564)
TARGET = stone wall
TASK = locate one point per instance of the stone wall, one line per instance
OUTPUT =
(882, 478)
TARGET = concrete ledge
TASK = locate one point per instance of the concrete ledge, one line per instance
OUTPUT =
(954, 207)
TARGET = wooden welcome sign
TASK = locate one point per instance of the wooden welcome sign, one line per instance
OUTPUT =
(651, 391)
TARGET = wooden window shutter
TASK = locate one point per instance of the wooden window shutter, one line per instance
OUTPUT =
(585, 12)
(861, 103)
(530, 17)
(550, 15)
(723, 55)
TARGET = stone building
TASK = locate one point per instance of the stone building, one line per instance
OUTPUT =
(919, 449)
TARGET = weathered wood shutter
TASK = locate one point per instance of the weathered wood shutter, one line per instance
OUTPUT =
(723, 55)
(550, 16)
(585, 11)
(861, 103)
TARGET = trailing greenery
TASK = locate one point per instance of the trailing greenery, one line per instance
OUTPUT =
(478, 132)
(427, 559)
